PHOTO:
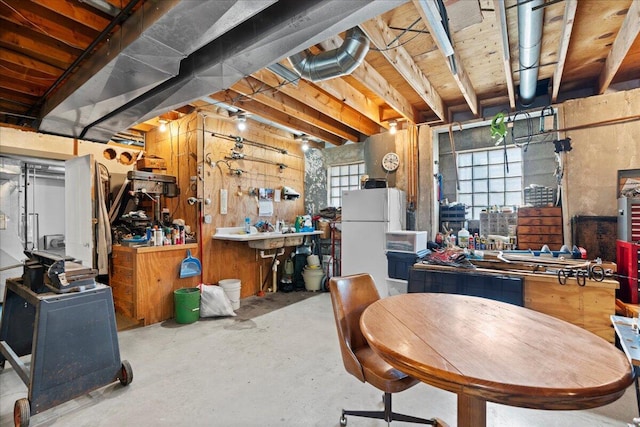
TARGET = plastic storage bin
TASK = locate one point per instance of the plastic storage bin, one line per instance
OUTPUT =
(399, 263)
(406, 241)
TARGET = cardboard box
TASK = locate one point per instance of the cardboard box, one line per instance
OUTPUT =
(151, 163)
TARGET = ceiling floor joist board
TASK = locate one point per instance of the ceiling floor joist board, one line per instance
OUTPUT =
(381, 36)
(569, 16)
(310, 95)
(627, 35)
(275, 115)
(255, 89)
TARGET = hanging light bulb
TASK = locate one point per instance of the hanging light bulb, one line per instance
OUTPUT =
(393, 127)
(163, 125)
(242, 122)
(305, 143)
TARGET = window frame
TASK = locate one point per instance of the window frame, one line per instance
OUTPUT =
(348, 180)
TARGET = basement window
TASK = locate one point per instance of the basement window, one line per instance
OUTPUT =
(485, 181)
(341, 178)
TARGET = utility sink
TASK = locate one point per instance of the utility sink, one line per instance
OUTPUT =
(269, 240)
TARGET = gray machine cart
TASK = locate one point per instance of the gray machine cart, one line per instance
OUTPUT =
(72, 339)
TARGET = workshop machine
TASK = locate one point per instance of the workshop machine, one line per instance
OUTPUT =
(57, 313)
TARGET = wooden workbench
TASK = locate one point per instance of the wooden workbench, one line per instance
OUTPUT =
(587, 306)
(144, 278)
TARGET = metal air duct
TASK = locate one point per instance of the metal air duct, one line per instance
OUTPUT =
(332, 63)
(530, 41)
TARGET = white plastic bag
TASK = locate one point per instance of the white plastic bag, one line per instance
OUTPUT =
(214, 302)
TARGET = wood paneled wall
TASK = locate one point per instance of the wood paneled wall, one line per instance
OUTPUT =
(200, 162)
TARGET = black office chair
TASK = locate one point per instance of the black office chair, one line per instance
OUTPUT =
(350, 295)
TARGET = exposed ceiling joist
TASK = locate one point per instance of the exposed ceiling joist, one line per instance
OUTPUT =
(366, 75)
(259, 91)
(275, 115)
(569, 16)
(456, 67)
(501, 22)
(317, 99)
(626, 36)
(382, 36)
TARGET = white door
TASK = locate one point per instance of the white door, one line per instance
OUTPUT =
(79, 201)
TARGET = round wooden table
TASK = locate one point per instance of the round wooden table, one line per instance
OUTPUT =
(486, 350)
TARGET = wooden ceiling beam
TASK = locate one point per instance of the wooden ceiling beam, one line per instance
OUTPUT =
(370, 78)
(33, 44)
(20, 98)
(501, 23)
(567, 27)
(253, 88)
(319, 100)
(277, 116)
(77, 12)
(626, 36)
(48, 23)
(17, 84)
(18, 59)
(457, 68)
(382, 36)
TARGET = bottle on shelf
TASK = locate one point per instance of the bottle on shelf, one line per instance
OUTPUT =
(463, 237)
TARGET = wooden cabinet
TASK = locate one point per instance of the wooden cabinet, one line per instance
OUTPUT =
(538, 227)
(143, 280)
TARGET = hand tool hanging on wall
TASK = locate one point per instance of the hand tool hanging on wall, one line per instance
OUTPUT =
(236, 155)
(240, 141)
(453, 151)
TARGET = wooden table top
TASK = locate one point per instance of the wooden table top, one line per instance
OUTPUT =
(495, 351)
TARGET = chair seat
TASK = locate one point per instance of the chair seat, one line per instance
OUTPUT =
(380, 374)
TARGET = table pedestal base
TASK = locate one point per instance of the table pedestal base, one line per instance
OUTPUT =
(472, 411)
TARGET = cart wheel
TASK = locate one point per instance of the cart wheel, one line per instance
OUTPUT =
(21, 413)
(126, 373)
(343, 421)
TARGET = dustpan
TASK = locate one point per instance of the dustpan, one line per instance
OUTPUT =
(190, 266)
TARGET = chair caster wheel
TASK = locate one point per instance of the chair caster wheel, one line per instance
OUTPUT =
(343, 421)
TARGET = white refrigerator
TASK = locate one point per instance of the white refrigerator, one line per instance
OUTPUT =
(366, 216)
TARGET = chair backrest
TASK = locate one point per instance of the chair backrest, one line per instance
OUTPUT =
(350, 295)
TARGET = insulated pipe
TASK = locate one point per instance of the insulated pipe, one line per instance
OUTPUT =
(530, 40)
(337, 62)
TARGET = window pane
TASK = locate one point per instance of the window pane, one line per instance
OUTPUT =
(496, 199)
(496, 170)
(496, 185)
(464, 173)
(467, 199)
(513, 198)
(353, 169)
(354, 180)
(480, 185)
(344, 170)
(496, 157)
(335, 181)
(466, 186)
(480, 199)
(465, 159)
(480, 172)
(513, 184)
(480, 158)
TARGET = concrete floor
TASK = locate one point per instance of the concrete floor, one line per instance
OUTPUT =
(264, 367)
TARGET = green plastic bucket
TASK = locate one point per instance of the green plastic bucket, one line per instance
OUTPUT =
(187, 304)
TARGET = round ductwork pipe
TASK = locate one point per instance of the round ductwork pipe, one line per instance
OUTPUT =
(333, 63)
(530, 40)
